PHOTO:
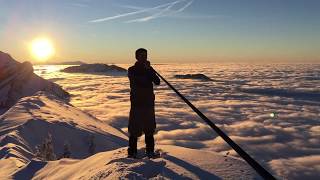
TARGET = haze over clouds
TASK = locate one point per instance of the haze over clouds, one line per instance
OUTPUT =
(290, 137)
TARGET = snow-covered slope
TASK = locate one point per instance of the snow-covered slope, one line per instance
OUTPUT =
(27, 124)
(175, 163)
(43, 136)
(18, 80)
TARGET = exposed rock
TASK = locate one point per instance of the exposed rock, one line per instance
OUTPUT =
(194, 76)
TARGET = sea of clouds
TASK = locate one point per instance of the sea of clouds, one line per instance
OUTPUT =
(271, 111)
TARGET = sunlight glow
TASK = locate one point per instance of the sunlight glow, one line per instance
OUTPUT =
(42, 49)
(273, 114)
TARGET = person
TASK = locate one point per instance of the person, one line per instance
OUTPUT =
(142, 114)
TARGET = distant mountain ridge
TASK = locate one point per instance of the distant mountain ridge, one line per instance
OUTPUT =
(97, 68)
(62, 63)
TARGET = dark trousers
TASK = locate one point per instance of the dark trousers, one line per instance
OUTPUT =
(149, 140)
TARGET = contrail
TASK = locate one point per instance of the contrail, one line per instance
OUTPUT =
(184, 7)
(161, 13)
(155, 15)
(133, 13)
(79, 4)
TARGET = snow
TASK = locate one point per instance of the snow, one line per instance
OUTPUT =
(27, 123)
(6, 60)
(18, 80)
(175, 163)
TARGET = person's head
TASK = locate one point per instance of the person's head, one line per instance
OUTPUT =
(141, 54)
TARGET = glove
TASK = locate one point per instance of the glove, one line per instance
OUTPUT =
(147, 65)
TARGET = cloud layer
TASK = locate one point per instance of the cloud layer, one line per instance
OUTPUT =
(277, 129)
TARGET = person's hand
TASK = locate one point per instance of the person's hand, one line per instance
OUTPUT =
(147, 65)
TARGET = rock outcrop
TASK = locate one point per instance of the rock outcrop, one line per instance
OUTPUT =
(17, 80)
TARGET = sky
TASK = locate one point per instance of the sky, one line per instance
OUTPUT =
(174, 31)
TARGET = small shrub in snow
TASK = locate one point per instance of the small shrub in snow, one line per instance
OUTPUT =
(92, 145)
(45, 150)
(66, 150)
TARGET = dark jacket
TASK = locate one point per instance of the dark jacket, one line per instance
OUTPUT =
(141, 86)
(142, 115)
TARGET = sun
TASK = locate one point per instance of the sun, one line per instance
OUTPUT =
(42, 49)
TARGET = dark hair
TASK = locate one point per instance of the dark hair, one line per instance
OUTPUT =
(140, 50)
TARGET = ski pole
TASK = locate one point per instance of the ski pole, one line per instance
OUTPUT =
(254, 164)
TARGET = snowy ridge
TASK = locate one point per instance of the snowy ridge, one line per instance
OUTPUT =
(18, 80)
(175, 163)
(28, 122)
